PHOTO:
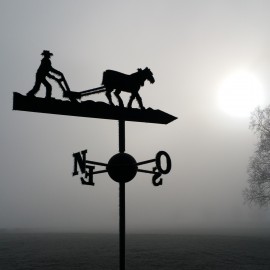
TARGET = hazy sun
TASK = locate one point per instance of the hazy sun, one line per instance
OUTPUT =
(240, 93)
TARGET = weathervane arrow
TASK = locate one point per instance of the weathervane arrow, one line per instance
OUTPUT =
(89, 109)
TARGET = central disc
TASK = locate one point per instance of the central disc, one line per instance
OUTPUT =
(122, 167)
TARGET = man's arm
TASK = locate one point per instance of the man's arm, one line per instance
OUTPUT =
(53, 77)
(55, 71)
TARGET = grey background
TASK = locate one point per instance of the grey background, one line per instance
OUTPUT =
(190, 46)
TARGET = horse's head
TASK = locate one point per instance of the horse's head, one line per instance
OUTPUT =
(146, 74)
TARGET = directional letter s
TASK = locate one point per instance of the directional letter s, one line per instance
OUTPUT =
(155, 178)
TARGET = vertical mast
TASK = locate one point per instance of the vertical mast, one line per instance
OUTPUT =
(122, 206)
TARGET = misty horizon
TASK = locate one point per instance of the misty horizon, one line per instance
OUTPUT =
(192, 48)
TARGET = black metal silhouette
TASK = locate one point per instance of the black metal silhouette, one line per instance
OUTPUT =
(111, 81)
(114, 80)
(122, 167)
(89, 108)
(118, 82)
(46, 70)
(88, 92)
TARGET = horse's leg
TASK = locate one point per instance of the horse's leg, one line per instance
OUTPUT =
(139, 99)
(120, 101)
(131, 100)
(109, 96)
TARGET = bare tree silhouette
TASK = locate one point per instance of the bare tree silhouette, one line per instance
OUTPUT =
(258, 191)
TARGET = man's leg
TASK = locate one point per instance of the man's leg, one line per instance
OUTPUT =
(35, 88)
(48, 88)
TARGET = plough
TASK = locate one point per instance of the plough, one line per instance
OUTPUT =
(88, 92)
(73, 96)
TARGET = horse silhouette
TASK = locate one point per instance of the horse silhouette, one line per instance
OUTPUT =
(114, 80)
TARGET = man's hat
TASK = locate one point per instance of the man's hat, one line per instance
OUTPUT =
(46, 53)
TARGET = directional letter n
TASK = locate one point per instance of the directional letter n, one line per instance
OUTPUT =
(79, 160)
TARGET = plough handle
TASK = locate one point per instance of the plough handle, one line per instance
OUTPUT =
(65, 83)
(66, 90)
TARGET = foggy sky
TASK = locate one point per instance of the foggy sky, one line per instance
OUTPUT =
(190, 46)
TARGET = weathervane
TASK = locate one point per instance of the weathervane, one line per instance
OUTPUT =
(121, 167)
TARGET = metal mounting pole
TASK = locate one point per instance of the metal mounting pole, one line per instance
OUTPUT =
(122, 206)
(122, 136)
(122, 225)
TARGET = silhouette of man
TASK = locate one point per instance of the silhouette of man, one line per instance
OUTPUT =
(44, 71)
